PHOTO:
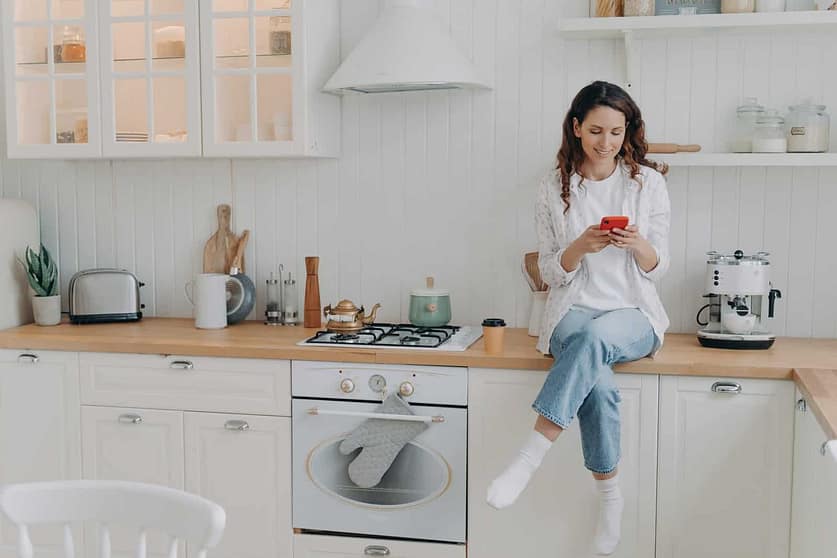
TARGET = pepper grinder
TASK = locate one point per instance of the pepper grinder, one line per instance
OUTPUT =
(291, 314)
(312, 293)
(273, 312)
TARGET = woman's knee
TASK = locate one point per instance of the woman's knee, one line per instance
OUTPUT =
(604, 395)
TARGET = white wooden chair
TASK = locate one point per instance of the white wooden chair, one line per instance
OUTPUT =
(182, 516)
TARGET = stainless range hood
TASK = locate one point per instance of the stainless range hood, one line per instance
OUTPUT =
(406, 50)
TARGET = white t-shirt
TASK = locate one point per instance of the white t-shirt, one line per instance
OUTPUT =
(607, 286)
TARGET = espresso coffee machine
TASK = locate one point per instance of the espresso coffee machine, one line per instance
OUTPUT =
(738, 288)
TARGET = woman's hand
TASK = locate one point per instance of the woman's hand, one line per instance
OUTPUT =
(592, 240)
(630, 239)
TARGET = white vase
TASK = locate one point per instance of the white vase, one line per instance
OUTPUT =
(47, 310)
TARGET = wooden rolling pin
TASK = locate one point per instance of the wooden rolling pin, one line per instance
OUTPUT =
(672, 148)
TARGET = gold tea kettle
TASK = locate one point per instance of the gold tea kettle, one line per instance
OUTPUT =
(347, 318)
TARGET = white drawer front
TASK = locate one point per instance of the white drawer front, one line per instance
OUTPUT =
(227, 385)
(322, 546)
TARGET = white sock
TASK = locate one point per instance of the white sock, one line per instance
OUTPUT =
(608, 530)
(505, 489)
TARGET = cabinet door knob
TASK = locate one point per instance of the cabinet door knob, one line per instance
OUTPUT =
(376, 550)
(239, 425)
(726, 387)
(181, 365)
(130, 419)
(28, 357)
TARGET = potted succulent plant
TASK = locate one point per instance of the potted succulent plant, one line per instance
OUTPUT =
(43, 278)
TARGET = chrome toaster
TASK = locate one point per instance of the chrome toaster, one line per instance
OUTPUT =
(105, 295)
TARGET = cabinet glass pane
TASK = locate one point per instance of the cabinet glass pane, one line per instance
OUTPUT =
(273, 41)
(232, 108)
(166, 7)
(33, 112)
(229, 5)
(128, 40)
(131, 108)
(70, 50)
(71, 111)
(126, 8)
(169, 109)
(169, 46)
(67, 9)
(273, 4)
(29, 10)
(232, 40)
(274, 94)
(30, 46)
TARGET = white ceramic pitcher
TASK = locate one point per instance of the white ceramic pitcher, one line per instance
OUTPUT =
(209, 298)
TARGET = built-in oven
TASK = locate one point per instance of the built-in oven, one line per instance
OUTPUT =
(422, 494)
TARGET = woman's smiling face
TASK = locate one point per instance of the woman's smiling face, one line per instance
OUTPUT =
(602, 133)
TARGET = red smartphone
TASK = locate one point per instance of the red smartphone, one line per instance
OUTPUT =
(613, 222)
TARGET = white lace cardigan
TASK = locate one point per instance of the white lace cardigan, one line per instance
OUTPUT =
(647, 207)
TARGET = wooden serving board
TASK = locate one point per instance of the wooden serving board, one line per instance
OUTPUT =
(219, 251)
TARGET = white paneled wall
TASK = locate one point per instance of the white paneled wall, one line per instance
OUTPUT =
(443, 184)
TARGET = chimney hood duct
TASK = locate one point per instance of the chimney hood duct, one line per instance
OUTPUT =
(406, 50)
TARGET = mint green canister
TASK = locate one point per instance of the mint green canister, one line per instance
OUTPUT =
(429, 307)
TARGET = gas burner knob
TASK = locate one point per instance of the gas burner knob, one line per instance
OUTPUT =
(406, 389)
(377, 383)
(347, 386)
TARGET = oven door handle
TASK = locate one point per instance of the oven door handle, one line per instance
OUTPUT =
(382, 416)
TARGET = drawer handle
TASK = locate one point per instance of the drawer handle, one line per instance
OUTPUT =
(130, 419)
(726, 387)
(376, 550)
(181, 365)
(28, 357)
(239, 425)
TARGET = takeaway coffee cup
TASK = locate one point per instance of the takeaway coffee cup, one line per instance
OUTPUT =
(209, 297)
(493, 331)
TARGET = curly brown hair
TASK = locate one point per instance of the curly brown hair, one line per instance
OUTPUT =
(634, 149)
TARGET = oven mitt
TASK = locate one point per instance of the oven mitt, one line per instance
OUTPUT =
(381, 441)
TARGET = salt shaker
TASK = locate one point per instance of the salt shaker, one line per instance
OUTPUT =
(273, 312)
(290, 309)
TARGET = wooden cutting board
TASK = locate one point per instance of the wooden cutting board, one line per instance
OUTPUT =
(220, 249)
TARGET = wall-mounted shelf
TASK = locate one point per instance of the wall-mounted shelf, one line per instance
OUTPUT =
(746, 159)
(615, 27)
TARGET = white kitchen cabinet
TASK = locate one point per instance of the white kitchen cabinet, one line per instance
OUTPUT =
(263, 65)
(39, 432)
(139, 445)
(51, 76)
(243, 462)
(814, 490)
(321, 546)
(725, 456)
(556, 515)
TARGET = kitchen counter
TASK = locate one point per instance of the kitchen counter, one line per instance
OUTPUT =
(811, 363)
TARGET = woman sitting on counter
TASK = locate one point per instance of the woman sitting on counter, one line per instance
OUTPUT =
(603, 305)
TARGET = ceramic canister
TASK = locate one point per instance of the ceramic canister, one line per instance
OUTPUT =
(429, 307)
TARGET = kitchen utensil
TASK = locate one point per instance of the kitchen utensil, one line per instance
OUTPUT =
(493, 331)
(220, 249)
(20, 229)
(241, 292)
(536, 313)
(312, 293)
(104, 295)
(208, 294)
(530, 260)
(347, 318)
(672, 148)
(429, 307)
(290, 311)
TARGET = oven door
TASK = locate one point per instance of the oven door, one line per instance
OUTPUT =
(421, 496)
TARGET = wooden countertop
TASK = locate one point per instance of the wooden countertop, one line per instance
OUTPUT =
(811, 363)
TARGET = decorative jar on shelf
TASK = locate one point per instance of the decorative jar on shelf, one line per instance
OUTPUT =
(807, 127)
(639, 7)
(770, 5)
(72, 47)
(745, 123)
(769, 133)
(737, 6)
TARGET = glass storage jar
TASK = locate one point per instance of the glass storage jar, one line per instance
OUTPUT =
(807, 126)
(737, 6)
(745, 123)
(769, 133)
(638, 8)
(72, 46)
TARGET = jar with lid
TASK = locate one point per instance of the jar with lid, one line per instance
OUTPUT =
(769, 133)
(770, 5)
(745, 123)
(737, 6)
(72, 45)
(280, 34)
(638, 7)
(807, 126)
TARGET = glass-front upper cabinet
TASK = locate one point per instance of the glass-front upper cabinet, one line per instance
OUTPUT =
(150, 78)
(264, 63)
(51, 75)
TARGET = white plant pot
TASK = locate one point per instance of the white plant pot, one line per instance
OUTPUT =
(47, 310)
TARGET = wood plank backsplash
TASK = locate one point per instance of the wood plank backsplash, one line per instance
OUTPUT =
(443, 184)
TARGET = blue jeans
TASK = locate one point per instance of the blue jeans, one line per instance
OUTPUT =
(585, 344)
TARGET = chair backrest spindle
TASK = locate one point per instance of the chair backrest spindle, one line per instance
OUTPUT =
(141, 545)
(24, 544)
(173, 547)
(69, 546)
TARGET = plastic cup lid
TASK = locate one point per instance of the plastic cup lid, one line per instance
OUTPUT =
(494, 322)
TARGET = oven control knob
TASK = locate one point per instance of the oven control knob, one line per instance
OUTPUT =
(406, 389)
(347, 386)
(377, 383)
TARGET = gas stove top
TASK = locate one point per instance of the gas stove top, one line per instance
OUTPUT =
(401, 336)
